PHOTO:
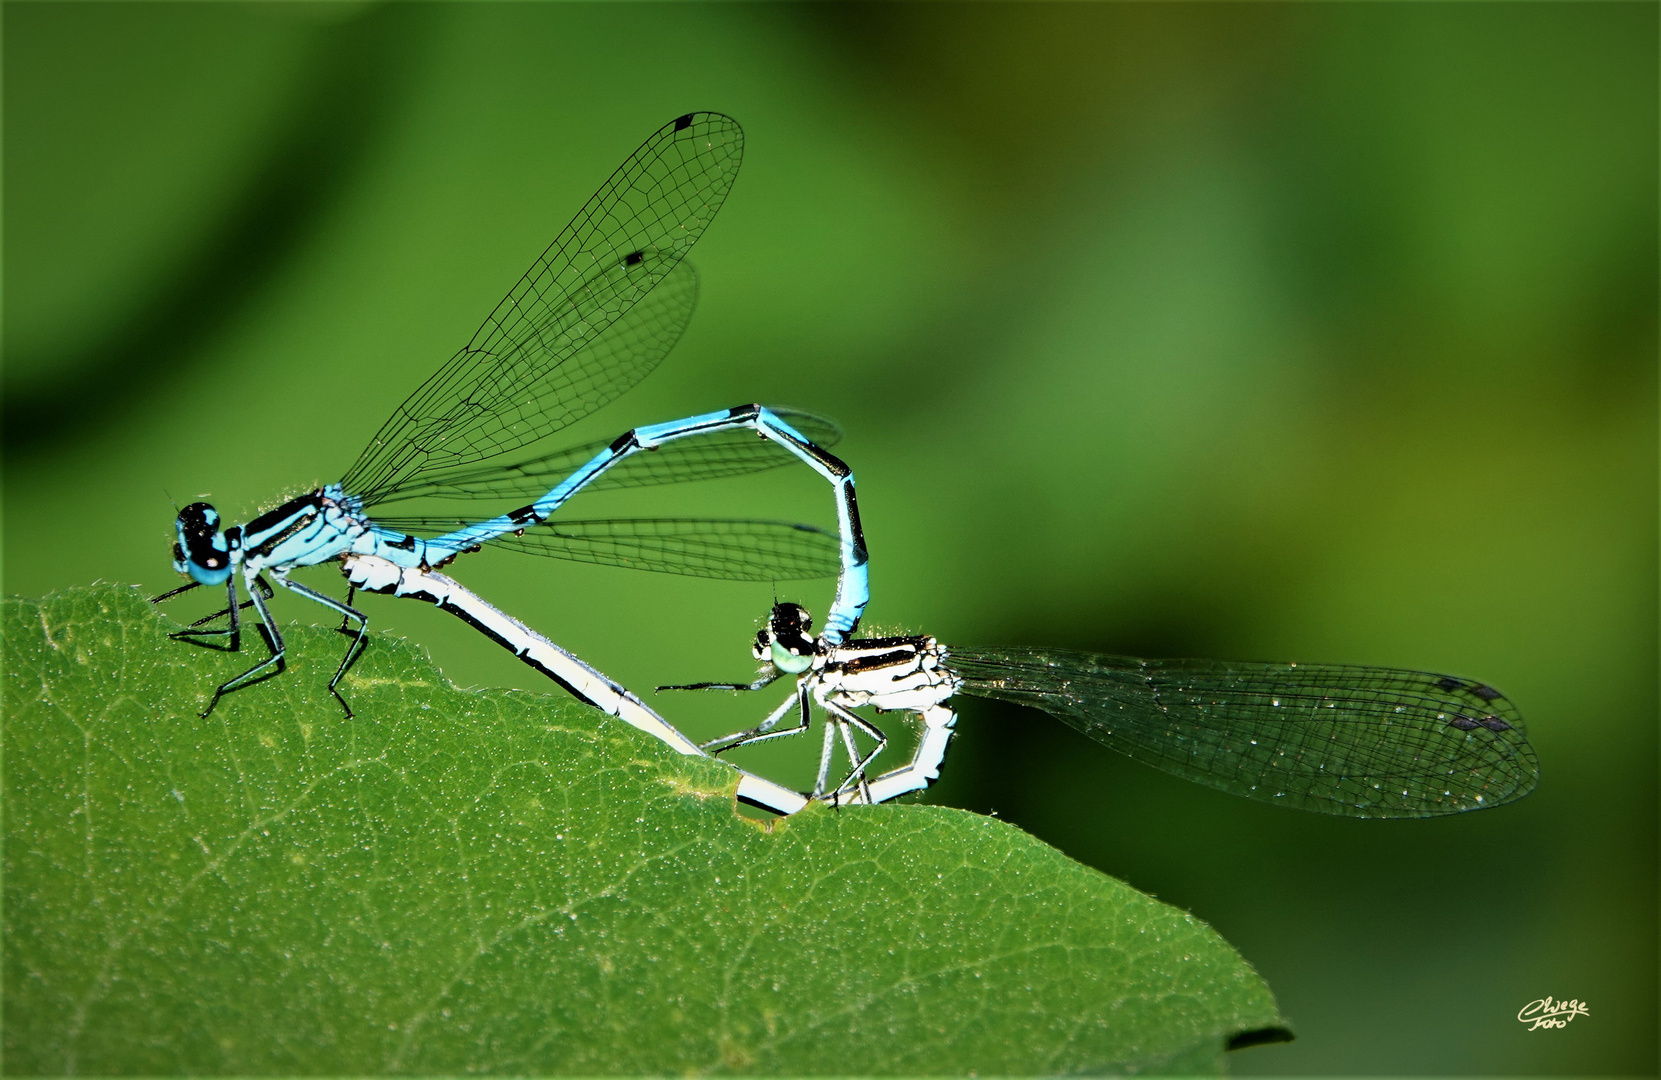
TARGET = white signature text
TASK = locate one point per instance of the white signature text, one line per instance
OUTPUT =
(1547, 1013)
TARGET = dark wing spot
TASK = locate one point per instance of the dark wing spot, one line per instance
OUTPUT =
(1448, 682)
(1494, 723)
(634, 258)
(1486, 693)
(683, 122)
(1464, 723)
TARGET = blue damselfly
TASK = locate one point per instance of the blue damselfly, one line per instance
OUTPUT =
(594, 314)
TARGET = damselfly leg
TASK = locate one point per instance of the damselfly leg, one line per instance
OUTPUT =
(192, 634)
(762, 731)
(259, 591)
(846, 720)
(347, 613)
(273, 640)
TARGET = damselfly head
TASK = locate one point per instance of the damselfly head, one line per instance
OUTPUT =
(787, 639)
(201, 550)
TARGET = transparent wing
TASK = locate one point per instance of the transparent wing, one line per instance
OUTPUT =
(1355, 741)
(529, 370)
(703, 457)
(730, 550)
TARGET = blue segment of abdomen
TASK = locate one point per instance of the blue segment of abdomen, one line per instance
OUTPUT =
(440, 548)
(853, 586)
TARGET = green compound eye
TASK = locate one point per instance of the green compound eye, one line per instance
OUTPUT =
(789, 662)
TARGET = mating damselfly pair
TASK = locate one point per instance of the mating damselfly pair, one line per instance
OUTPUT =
(595, 314)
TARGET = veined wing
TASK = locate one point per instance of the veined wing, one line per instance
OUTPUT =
(1355, 741)
(529, 371)
(731, 550)
(704, 457)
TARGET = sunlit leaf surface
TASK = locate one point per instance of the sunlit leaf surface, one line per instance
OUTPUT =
(484, 881)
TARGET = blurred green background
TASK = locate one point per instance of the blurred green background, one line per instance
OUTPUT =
(1317, 332)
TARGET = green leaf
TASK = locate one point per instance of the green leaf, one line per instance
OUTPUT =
(465, 881)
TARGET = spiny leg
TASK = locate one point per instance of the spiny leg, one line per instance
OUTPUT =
(764, 730)
(171, 593)
(351, 594)
(846, 731)
(857, 766)
(194, 633)
(760, 684)
(847, 719)
(825, 760)
(347, 612)
(273, 638)
(265, 590)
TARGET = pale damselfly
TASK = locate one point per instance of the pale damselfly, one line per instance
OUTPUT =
(1334, 739)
